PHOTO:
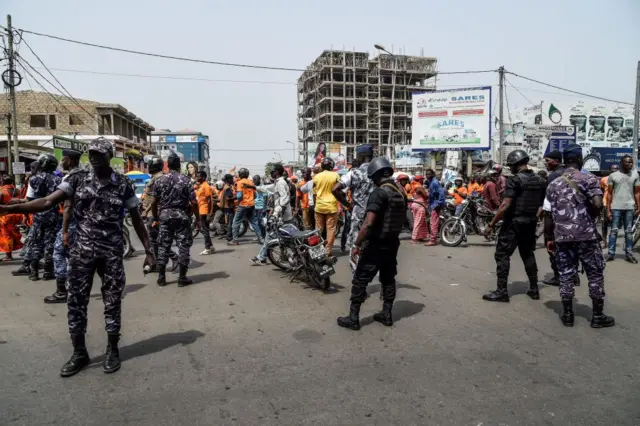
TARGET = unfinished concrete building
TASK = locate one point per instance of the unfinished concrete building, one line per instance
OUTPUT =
(346, 97)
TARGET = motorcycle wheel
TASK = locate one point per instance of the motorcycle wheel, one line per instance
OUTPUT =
(321, 283)
(451, 233)
(128, 221)
(128, 251)
(275, 256)
(636, 236)
(194, 229)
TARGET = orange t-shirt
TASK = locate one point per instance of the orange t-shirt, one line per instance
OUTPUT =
(248, 195)
(473, 187)
(605, 189)
(457, 195)
(203, 194)
(304, 198)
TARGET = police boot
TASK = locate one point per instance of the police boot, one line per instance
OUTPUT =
(111, 362)
(33, 275)
(533, 291)
(567, 316)
(599, 319)
(384, 317)
(353, 320)
(499, 295)
(60, 296)
(48, 271)
(162, 275)
(23, 271)
(182, 278)
(554, 281)
(79, 359)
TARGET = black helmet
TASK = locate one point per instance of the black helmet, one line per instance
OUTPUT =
(328, 163)
(243, 173)
(517, 157)
(48, 162)
(379, 166)
(155, 164)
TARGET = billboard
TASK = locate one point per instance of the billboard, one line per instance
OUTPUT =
(60, 143)
(406, 157)
(538, 140)
(452, 119)
(317, 151)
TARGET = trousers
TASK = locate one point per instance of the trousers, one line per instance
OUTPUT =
(42, 237)
(521, 235)
(590, 254)
(376, 257)
(178, 229)
(621, 219)
(345, 233)
(204, 230)
(328, 221)
(60, 253)
(229, 216)
(153, 238)
(81, 271)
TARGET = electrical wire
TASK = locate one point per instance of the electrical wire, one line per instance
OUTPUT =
(521, 94)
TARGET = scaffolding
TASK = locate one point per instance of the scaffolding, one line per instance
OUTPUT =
(345, 97)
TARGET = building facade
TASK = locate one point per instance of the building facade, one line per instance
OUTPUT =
(193, 145)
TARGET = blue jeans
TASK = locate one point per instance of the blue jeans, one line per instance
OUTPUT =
(249, 213)
(621, 218)
(459, 208)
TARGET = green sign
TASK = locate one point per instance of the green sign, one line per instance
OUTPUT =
(60, 143)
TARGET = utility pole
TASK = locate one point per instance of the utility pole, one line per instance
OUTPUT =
(498, 151)
(636, 121)
(12, 99)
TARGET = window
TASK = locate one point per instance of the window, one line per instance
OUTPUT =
(38, 121)
(74, 120)
(52, 122)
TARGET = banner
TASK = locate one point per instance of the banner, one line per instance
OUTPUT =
(451, 119)
(317, 151)
(406, 157)
(60, 143)
(538, 140)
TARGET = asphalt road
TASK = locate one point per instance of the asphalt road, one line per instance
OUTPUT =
(244, 346)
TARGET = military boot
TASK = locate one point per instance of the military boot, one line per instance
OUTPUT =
(60, 296)
(162, 275)
(351, 321)
(384, 317)
(79, 359)
(567, 316)
(34, 275)
(499, 295)
(554, 281)
(23, 271)
(48, 273)
(182, 278)
(533, 291)
(599, 319)
(111, 362)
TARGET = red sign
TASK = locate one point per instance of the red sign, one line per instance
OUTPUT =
(468, 112)
(432, 114)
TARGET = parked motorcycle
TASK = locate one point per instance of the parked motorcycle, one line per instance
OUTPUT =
(474, 217)
(298, 252)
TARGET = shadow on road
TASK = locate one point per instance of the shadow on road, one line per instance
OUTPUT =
(401, 309)
(579, 309)
(222, 251)
(129, 288)
(153, 345)
(518, 287)
(375, 288)
(199, 279)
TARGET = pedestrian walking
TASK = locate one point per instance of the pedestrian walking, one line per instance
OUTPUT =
(574, 201)
(420, 231)
(376, 246)
(604, 186)
(228, 204)
(326, 203)
(10, 237)
(245, 194)
(260, 205)
(204, 195)
(436, 203)
(523, 198)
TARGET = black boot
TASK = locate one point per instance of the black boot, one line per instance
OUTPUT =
(23, 271)
(111, 362)
(599, 319)
(60, 296)
(533, 291)
(554, 281)
(567, 316)
(499, 295)
(79, 359)
(353, 320)
(48, 273)
(182, 278)
(384, 317)
(162, 275)
(33, 275)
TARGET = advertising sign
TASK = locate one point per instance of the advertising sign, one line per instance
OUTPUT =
(406, 157)
(452, 119)
(317, 151)
(60, 143)
(538, 140)
(18, 168)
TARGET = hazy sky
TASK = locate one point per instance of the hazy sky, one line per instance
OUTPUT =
(590, 46)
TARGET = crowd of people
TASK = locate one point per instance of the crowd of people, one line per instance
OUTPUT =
(76, 224)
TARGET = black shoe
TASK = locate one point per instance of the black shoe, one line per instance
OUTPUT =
(533, 293)
(352, 321)
(33, 275)
(554, 281)
(182, 279)
(60, 296)
(79, 359)
(162, 276)
(111, 362)
(611, 258)
(599, 319)
(23, 271)
(384, 317)
(576, 281)
(499, 295)
(629, 258)
(567, 316)
(48, 273)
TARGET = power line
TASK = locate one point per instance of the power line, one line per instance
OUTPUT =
(568, 90)
(521, 94)
(247, 150)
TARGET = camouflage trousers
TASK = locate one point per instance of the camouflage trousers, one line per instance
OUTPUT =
(42, 237)
(60, 253)
(178, 229)
(153, 232)
(81, 271)
(589, 254)
(357, 219)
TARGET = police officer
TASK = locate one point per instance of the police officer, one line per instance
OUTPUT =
(376, 247)
(155, 166)
(174, 200)
(358, 182)
(99, 198)
(523, 198)
(70, 163)
(575, 201)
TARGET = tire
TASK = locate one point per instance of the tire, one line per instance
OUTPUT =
(275, 256)
(194, 229)
(452, 233)
(128, 250)
(128, 221)
(636, 236)
(321, 283)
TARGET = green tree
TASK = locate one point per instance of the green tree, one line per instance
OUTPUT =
(268, 168)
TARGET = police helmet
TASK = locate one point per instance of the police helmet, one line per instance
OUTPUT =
(243, 173)
(328, 163)
(155, 164)
(48, 163)
(517, 157)
(379, 166)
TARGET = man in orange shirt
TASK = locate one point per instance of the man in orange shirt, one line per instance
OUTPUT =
(303, 199)
(204, 195)
(459, 194)
(245, 195)
(10, 237)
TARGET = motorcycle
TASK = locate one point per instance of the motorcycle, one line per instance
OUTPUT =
(474, 217)
(297, 252)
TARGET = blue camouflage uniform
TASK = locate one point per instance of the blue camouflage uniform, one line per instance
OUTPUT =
(42, 234)
(60, 253)
(357, 180)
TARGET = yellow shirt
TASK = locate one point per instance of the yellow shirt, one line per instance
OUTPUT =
(325, 201)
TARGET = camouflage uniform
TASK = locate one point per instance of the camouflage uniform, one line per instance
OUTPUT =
(98, 211)
(60, 253)
(575, 232)
(45, 224)
(147, 215)
(174, 193)
(361, 187)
